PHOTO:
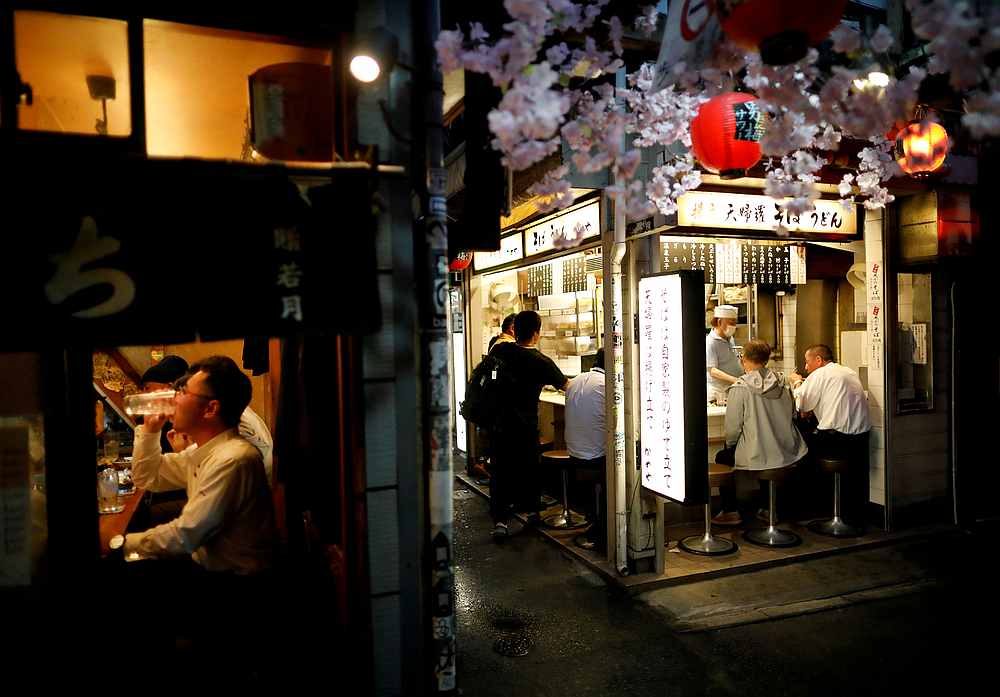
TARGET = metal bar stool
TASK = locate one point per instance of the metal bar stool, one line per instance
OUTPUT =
(772, 536)
(707, 544)
(565, 519)
(835, 527)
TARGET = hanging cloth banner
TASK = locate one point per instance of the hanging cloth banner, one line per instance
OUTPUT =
(690, 37)
(152, 252)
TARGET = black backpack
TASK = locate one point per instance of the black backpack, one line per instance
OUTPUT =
(486, 393)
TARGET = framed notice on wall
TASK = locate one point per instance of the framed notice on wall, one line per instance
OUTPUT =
(673, 448)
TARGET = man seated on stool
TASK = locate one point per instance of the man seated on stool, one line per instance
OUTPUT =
(835, 395)
(759, 425)
(586, 436)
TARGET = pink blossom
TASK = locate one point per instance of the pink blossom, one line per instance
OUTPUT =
(882, 39)
(846, 38)
(449, 49)
(645, 23)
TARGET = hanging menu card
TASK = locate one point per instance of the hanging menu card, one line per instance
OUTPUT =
(574, 275)
(728, 262)
(690, 256)
(540, 280)
(766, 264)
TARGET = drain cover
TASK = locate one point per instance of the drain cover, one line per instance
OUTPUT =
(514, 640)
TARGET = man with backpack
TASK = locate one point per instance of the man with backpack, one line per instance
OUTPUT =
(521, 372)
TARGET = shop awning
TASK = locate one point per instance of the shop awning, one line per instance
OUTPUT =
(161, 251)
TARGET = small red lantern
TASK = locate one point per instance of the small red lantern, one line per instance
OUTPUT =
(725, 135)
(782, 30)
(460, 262)
(921, 147)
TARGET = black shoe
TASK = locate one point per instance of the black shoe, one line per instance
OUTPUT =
(500, 532)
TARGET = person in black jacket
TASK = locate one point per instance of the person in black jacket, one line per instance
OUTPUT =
(514, 479)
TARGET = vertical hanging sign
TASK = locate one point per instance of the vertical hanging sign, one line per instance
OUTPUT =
(674, 459)
(875, 316)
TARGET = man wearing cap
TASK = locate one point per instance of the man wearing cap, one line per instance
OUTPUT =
(722, 366)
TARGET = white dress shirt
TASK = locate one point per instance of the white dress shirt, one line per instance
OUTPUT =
(585, 430)
(253, 428)
(835, 395)
(227, 523)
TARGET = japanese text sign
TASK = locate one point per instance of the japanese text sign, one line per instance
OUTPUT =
(752, 212)
(673, 450)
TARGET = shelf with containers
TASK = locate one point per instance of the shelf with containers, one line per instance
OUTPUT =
(565, 287)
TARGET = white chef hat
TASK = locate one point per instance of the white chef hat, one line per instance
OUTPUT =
(725, 311)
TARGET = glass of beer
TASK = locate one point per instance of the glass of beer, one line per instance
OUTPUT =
(148, 403)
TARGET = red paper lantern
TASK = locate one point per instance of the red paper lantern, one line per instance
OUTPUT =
(782, 30)
(460, 262)
(921, 147)
(725, 135)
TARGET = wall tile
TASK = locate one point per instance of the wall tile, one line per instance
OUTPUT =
(386, 622)
(380, 434)
(383, 541)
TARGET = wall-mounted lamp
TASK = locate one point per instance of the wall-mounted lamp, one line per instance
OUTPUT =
(374, 53)
(101, 87)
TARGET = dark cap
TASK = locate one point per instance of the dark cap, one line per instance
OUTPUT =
(166, 371)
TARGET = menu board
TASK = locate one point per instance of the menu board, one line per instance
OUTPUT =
(767, 264)
(672, 386)
(690, 256)
(540, 280)
(574, 275)
(737, 261)
(728, 262)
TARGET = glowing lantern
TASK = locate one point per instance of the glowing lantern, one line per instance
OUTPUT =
(460, 262)
(782, 30)
(921, 147)
(725, 135)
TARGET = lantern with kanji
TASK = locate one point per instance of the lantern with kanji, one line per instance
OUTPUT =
(921, 147)
(461, 261)
(725, 135)
(782, 30)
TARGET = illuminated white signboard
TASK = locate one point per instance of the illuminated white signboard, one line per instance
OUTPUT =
(750, 212)
(510, 250)
(673, 446)
(578, 224)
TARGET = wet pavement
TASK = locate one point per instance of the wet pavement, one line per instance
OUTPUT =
(534, 621)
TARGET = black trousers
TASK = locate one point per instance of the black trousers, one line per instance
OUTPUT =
(514, 480)
(817, 486)
(589, 492)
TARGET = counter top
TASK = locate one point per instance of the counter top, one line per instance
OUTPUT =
(714, 410)
(111, 524)
(557, 398)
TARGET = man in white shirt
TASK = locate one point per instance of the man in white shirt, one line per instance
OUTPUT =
(586, 438)
(227, 523)
(835, 396)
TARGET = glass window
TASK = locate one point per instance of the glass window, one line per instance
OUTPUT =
(914, 366)
(198, 92)
(78, 71)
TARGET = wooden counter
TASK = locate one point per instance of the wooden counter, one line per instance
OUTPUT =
(111, 524)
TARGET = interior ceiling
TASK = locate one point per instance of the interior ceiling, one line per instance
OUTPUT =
(196, 79)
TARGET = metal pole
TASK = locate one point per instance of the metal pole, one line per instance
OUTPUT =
(431, 256)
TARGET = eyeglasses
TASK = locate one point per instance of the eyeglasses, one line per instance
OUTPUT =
(182, 389)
